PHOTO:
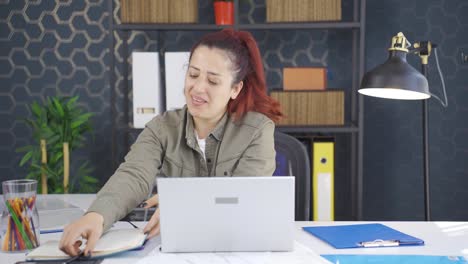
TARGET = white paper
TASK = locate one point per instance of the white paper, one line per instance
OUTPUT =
(176, 64)
(300, 255)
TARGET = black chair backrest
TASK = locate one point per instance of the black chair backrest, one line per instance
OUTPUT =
(292, 159)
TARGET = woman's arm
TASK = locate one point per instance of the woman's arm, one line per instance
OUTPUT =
(133, 180)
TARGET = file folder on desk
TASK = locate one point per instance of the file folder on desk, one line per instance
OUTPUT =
(363, 235)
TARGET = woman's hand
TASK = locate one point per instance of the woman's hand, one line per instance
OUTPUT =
(89, 227)
(152, 228)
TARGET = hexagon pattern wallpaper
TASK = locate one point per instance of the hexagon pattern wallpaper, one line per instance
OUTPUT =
(52, 48)
(393, 174)
(63, 48)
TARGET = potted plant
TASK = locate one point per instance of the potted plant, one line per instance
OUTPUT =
(58, 128)
(224, 12)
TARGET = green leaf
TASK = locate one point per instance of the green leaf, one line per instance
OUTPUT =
(32, 175)
(89, 179)
(36, 109)
(72, 102)
(59, 189)
(25, 158)
(78, 123)
(58, 106)
(24, 149)
(56, 157)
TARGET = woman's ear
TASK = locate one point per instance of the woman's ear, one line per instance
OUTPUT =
(236, 89)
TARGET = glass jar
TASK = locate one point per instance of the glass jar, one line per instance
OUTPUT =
(19, 226)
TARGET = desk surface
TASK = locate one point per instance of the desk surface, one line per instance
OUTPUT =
(441, 238)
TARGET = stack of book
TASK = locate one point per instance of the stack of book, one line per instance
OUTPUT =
(303, 10)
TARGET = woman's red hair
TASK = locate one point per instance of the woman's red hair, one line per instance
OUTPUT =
(243, 51)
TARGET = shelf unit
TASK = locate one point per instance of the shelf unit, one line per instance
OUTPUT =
(354, 127)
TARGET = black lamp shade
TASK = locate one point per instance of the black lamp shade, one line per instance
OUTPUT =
(395, 79)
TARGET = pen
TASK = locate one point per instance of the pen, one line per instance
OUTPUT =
(50, 231)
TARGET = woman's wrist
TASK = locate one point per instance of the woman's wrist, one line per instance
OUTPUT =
(96, 217)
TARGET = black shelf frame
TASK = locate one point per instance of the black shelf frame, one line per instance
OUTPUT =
(356, 126)
(263, 26)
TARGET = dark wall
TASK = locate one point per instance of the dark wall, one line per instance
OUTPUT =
(52, 48)
(393, 176)
(49, 48)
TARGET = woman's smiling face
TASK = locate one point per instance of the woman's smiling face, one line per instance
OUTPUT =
(208, 84)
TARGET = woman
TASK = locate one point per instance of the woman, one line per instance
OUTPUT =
(225, 129)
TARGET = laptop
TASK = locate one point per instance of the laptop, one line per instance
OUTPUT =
(226, 214)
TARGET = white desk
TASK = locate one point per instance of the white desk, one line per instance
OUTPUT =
(441, 238)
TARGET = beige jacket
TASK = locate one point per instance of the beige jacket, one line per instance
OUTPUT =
(167, 147)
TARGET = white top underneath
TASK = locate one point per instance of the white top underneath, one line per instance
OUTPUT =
(201, 144)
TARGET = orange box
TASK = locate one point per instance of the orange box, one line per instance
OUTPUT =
(310, 78)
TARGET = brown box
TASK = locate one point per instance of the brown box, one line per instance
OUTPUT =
(309, 78)
(311, 107)
(159, 11)
(303, 10)
(144, 11)
(183, 11)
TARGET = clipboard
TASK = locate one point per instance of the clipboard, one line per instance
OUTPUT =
(363, 236)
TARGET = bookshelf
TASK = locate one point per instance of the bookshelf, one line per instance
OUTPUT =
(353, 127)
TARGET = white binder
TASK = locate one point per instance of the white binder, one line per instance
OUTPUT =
(176, 68)
(147, 101)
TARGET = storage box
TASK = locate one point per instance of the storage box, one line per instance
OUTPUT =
(183, 11)
(147, 101)
(304, 78)
(303, 10)
(159, 11)
(311, 107)
(144, 11)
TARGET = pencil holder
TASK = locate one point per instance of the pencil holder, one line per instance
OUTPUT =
(19, 226)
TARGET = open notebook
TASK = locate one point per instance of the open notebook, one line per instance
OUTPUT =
(112, 242)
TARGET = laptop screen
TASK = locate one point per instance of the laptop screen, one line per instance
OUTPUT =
(202, 214)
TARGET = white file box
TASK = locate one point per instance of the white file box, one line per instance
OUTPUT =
(147, 101)
(176, 68)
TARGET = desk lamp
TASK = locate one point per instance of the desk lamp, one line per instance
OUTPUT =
(397, 79)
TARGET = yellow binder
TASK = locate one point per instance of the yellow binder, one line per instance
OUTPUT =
(323, 179)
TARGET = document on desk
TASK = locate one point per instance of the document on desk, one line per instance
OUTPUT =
(363, 235)
(391, 259)
(300, 255)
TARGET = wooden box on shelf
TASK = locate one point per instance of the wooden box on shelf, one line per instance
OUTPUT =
(144, 11)
(303, 10)
(307, 108)
(183, 11)
(159, 11)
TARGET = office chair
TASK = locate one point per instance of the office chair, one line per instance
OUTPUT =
(292, 159)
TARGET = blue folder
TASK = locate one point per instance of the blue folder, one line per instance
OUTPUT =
(391, 259)
(362, 235)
